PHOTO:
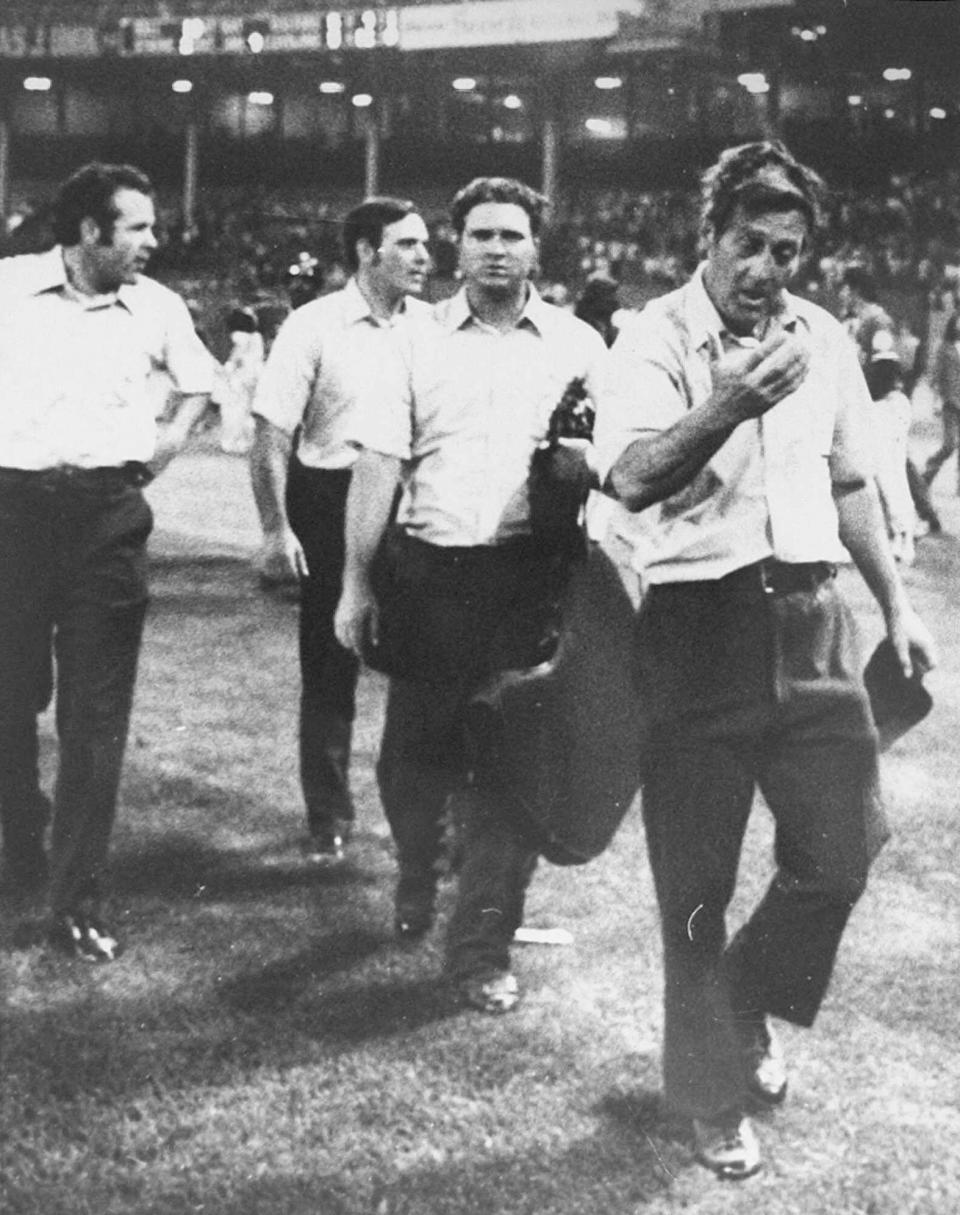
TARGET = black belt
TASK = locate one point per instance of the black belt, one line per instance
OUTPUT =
(787, 577)
(105, 480)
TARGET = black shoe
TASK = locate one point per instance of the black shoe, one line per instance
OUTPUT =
(324, 848)
(414, 906)
(83, 936)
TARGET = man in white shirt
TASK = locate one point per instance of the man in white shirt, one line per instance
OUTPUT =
(330, 355)
(82, 334)
(739, 410)
(486, 372)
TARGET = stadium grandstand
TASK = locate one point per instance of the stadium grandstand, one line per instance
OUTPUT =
(261, 123)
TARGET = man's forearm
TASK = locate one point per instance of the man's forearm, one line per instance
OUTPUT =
(373, 485)
(269, 460)
(172, 435)
(657, 465)
(863, 533)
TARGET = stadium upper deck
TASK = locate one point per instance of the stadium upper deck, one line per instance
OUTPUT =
(392, 92)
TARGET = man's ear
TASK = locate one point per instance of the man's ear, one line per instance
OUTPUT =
(366, 253)
(89, 231)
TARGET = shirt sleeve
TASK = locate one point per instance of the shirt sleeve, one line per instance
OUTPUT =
(851, 456)
(642, 390)
(286, 383)
(189, 363)
(383, 422)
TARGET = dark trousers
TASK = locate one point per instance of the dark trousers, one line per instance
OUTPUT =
(483, 608)
(316, 504)
(73, 590)
(751, 690)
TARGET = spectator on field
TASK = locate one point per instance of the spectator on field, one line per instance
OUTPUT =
(485, 373)
(82, 329)
(330, 356)
(947, 384)
(864, 318)
(238, 381)
(890, 431)
(598, 303)
(739, 410)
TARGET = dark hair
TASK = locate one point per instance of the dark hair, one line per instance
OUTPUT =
(951, 330)
(759, 177)
(497, 190)
(242, 320)
(89, 194)
(597, 303)
(860, 280)
(367, 222)
(883, 375)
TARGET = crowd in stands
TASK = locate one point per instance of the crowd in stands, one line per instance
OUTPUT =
(241, 244)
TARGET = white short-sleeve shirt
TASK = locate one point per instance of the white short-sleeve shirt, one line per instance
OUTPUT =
(77, 372)
(476, 404)
(329, 357)
(768, 490)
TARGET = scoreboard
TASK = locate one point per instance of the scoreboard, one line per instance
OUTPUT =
(330, 30)
(406, 27)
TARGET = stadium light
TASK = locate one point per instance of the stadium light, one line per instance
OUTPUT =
(332, 87)
(754, 82)
(182, 86)
(512, 102)
(937, 111)
(855, 99)
(259, 97)
(464, 84)
(37, 84)
(602, 127)
(361, 100)
(608, 82)
(897, 73)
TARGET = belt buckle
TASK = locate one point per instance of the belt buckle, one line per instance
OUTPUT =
(766, 570)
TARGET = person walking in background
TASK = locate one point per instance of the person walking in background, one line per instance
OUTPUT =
(740, 410)
(82, 331)
(486, 372)
(238, 381)
(863, 318)
(947, 385)
(329, 355)
(890, 431)
(597, 305)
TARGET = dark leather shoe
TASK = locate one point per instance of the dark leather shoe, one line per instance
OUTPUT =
(727, 1145)
(324, 849)
(764, 1066)
(83, 936)
(414, 905)
(412, 927)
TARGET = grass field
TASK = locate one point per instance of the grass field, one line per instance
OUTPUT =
(265, 1048)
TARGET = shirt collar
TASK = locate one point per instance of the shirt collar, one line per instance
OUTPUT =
(356, 308)
(52, 276)
(705, 323)
(536, 311)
